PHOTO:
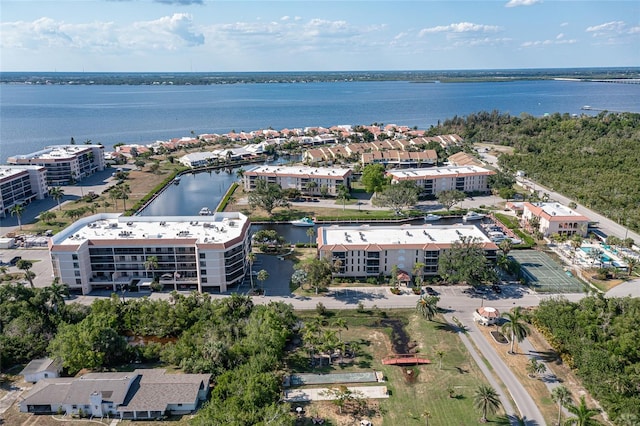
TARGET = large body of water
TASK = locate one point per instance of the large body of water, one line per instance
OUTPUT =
(34, 116)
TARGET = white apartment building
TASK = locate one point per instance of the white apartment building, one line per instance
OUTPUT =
(21, 185)
(555, 218)
(433, 180)
(308, 180)
(65, 163)
(367, 251)
(108, 251)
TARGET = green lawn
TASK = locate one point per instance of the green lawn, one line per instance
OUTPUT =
(429, 388)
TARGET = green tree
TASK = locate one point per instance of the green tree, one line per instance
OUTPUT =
(57, 193)
(262, 276)
(399, 196)
(505, 246)
(340, 324)
(450, 198)
(251, 257)
(311, 185)
(318, 272)
(428, 306)
(26, 265)
(485, 399)
(123, 192)
(48, 217)
(426, 415)
(515, 326)
(343, 194)
(267, 196)
(151, 264)
(373, 178)
(534, 367)
(466, 262)
(418, 273)
(561, 396)
(311, 233)
(583, 414)
(17, 210)
(440, 354)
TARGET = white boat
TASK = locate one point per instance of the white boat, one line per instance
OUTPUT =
(205, 211)
(305, 221)
(473, 216)
(432, 217)
(176, 180)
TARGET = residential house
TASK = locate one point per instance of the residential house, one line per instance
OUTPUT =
(43, 368)
(554, 218)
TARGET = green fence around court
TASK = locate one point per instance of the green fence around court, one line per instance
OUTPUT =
(544, 274)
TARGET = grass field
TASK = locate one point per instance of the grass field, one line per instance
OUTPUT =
(425, 389)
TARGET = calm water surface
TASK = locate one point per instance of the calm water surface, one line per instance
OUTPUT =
(32, 117)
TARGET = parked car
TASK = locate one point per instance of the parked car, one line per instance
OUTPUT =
(430, 291)
(496, 288)
(479, 290)
(15, 260)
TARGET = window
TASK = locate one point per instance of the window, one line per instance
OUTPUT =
(76, 265)
(201, 255)
(204, 280)
(74, 256)
(78, 281)
(76, 273)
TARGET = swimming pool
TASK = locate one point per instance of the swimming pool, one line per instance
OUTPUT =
(603, 257)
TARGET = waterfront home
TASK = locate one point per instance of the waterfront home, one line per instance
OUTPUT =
(141, 394)
(367, 251)
(111, 252)
(555, 218)
(21, 185)
(306, 179)
(431, 181)
(65, 164)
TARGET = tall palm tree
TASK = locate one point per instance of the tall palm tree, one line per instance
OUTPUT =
(125, 190)
(486, 399)
(343, 194)
(26, 266)
(17, 210)
(311, 233)
(426, 415)
(114, 194)
(440, 354)
(505, 246)
(583, 414)
(515, 326)
(56, 293)
(632, 263)
(151, 264)
(418, 273)
(251, 257)
(340, 323)
(562, 396)
(57, 193)
(428, 306)
(262, 277)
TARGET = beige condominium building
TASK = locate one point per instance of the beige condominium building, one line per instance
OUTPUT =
(108, 251)
(308, 180)
(437, 179)
(555, 218)
(65, 163)
(366, 251)
(21, 185)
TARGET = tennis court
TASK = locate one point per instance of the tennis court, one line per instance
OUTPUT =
(544, 274)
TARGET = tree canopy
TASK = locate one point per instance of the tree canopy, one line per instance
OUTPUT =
(267, 196)
(399, 196)
(466, 262)
(373, 178)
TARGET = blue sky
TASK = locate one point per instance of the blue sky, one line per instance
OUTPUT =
(218, 36)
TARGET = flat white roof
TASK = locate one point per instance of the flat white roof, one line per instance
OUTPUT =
(7, 171)
(301, 170)
(57, 152)
(437, 172)
(556, 209)
(400, 234)
(218, 228)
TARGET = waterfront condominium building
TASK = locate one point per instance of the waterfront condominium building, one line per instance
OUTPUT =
(21, 185)
(554, 218)
(368, 251)
(108, 251)
(434, 180)
(308, 180)
(65, 163)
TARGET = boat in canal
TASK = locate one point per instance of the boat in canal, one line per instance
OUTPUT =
(305, 221)
(473, 216)
(432, 217)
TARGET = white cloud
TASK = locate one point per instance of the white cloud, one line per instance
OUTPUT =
(516, 3)
(607, 29)
(460, 27)
(555, 42)
(285, 18)
(559, 36)
(170, 32)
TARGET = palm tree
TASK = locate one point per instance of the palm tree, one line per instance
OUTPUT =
(57, 193)
(627, 419)
(340, 323)
(151, 264)
(440, 354)
(125, 190)
(562, 396)
(428, 306)
(114, 194)
(47, 216)
(632, 263)
(262, 277)
(515, 326)
(251, 257)
(311, 233)
(26, 266)
(418, 271)
(426, 415)
(583, 414)
(17, 211)
(311, 185)
(505, 246)
(486, 400)
(56, 293)
(534, 367)
(343, 194)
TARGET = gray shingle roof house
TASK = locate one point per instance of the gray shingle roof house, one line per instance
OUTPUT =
(43, 368)
(141, 394)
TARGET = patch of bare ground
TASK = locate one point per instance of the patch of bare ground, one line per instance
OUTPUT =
(496, 148)
(536, 387)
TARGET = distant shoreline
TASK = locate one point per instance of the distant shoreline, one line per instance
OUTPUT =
(213, 78)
